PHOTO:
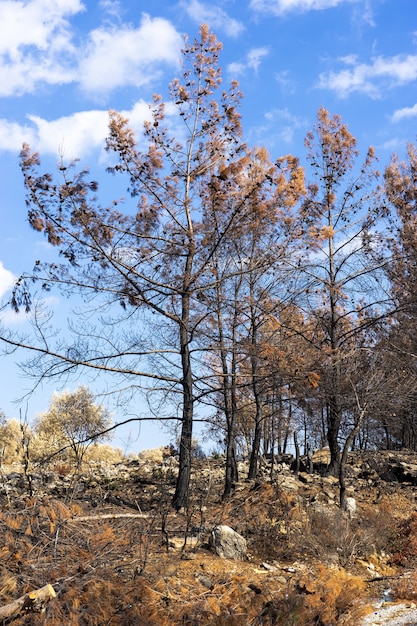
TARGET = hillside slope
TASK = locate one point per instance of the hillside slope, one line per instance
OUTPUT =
(116, 553)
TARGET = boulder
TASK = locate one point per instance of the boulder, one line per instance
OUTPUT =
(289, 483)
(406, 472)
(228, 544)
(350, 507)
(321, 456)
(307, 479)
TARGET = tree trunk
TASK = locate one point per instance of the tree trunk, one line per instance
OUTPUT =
(333, 425)
(257, 394)
(297, 453)
(256, 444)
(230, 402)
(309, 458)
(184, 470)
(231, 475)
(229, 396)
(343, 458)
(34, 601)
(180, 499)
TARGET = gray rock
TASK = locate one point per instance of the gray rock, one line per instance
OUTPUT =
(206, 581)
(228, 544)
(350, 507)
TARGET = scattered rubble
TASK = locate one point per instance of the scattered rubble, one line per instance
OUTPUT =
(271, 533)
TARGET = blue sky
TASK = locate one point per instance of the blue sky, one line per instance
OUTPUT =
(65, 63)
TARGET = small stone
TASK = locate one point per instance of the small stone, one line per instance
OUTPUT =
(268, 567)
(206, 581)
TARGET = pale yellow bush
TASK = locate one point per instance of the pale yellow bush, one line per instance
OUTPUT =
(10, 442)
(154, 455)
(104, 452)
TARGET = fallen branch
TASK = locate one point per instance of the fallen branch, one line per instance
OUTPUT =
(87, 518)
(34, 601)
(376, 579)
(121, 502)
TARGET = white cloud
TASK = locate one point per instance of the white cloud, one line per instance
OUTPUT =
(364, 14)
(13, 135)
(37, 47)
(373, 78)
(285, 122)
(236, 69)
(255, 56)
(391, 145)
(285, 82)
(401, 114)
(280, 7)
(9, 317)
(6, 280)
(73, 136)
(214, 16)
(35, 44)
(252, 61)
(116, 57)
(34, 23)
(279, 126)
(111, 7)
(141, 112)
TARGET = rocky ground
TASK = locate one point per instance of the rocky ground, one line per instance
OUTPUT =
(115, 552)
(398, 614)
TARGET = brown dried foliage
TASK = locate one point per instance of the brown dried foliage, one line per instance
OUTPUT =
(405, 542)
(120, 570)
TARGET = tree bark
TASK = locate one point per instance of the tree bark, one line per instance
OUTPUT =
(34, 601)
(333, 425)
(297, 453)
(184, 471)
(256, 445)
(257, 393)
(343, 458)
(231, 474)
(228, 390)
